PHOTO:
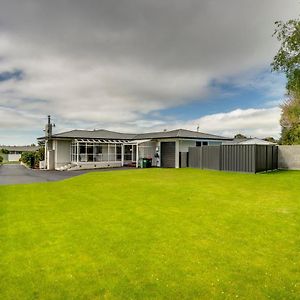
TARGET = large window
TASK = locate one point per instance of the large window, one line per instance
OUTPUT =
(90, 152)
(82, 152)
(118, 152)
(95, 152)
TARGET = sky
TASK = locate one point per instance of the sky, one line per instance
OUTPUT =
(140, 66)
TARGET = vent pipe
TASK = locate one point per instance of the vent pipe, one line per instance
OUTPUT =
(48, 127)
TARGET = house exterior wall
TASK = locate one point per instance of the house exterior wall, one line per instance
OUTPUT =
(289, 157)
(13, 157)
(148, 150)
(62, 152)
(168, 154)
(50, 160)
(95, 165)
(185, 144)
(215, 143)
(177, 146)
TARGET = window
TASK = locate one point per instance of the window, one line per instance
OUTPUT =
(205, 143)
(119, 153)
(98, 153)
(89, 152)
(82, 152)
(74, 152)
(198, 144)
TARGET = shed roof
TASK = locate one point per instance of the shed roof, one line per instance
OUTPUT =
(249, 141)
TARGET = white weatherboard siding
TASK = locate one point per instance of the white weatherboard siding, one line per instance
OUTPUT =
(95, 165)
(214, 143)
(148, 150)
(185, 144)
(62, 153)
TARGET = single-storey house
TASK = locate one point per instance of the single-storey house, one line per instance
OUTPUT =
(84, 149)
(13, 153)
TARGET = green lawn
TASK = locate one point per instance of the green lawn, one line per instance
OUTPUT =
(152, 234)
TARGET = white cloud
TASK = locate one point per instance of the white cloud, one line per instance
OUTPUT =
(250, 122)
(107, 63)
(255, 122)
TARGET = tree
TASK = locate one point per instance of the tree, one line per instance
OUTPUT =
(4, 151)
(290, 121)
(270, 139)
(240, 136)
(287, 60)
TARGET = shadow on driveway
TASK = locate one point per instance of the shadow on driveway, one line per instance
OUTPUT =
(16, 173)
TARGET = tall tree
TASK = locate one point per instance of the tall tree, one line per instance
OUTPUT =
(287, 60)
(290, 121)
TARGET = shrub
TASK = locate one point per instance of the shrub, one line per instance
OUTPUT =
(28, 158)
(32, 158)
(4, 151)
(1, 159)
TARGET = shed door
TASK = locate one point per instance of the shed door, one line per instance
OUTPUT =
(167, 154)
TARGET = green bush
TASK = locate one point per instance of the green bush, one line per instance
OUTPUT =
(32, 158)
(28, 158)
(4, 151)
(1, 159)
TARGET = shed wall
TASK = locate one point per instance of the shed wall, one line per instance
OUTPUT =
(237, 158)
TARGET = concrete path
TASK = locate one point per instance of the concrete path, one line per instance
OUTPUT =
(16, 173)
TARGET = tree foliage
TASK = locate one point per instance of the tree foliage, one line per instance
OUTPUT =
(32, 158)
(290, 121)
(4, 151)
(240, 136)
(287, 60)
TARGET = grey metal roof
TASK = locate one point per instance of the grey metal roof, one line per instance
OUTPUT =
(19, 148)
(180, 133)
(106, 134)
(94, 134)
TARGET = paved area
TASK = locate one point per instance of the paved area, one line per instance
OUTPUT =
(16, 173)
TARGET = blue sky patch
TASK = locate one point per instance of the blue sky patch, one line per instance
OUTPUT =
(8, 75)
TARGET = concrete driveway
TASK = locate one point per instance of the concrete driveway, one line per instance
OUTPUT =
(16, 173)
